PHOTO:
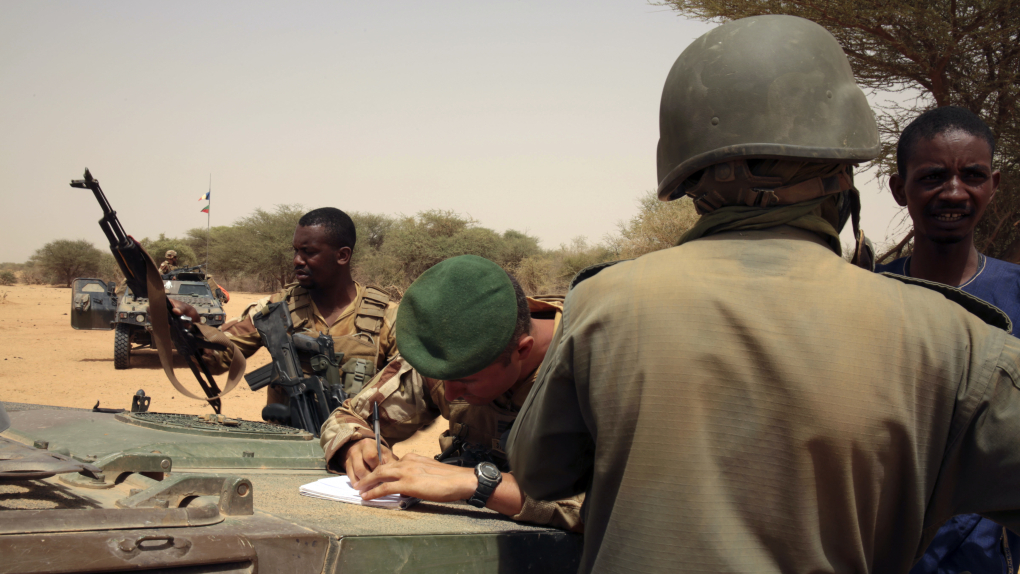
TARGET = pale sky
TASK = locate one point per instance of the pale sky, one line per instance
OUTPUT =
(535, 116)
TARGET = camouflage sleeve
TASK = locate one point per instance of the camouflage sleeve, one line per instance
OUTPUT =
(241, 331)
(565, 513)
(405, 405)
(387, 336)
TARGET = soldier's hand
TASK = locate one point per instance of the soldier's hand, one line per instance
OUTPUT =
(421, 477)
(362, 458)
(183, 309)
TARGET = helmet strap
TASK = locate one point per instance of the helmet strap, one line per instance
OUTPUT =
(732, 183)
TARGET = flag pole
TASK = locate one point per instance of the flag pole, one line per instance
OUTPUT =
(208, 228)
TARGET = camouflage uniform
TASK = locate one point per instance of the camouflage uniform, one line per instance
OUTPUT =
(409, 401)
(364, 330)
(166, 267)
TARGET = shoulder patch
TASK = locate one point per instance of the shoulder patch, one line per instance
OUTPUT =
(982, 309)
(589, 272)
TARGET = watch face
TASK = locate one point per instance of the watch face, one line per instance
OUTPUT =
(489, 470)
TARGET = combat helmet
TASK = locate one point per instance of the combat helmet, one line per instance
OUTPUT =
(170, 253)
(774, 87)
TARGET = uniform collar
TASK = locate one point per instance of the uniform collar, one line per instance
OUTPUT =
(348, 311)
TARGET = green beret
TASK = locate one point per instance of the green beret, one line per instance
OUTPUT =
(456, 318)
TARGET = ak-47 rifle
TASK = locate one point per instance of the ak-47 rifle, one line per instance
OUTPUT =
(144, 281)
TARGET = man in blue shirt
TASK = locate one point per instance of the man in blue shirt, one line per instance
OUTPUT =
(945, 180)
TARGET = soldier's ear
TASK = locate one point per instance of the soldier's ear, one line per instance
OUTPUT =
(343, 255)
(525, 346)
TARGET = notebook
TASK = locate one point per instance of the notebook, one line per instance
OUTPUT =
(339, 488)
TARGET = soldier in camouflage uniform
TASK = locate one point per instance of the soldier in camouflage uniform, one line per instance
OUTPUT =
(470, 344)
(325, 299)
(170, 264)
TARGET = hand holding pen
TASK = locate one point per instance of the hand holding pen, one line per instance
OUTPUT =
(375, 424)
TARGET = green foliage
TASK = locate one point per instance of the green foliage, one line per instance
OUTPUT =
(256, 250)
(7, 277)
(580, 255)
(108, 269)
(371, 228)
(33, 274)
(157, 248)
(256, 253)
(658, 225)
(414, 244)
(62, 260)
(948, 52)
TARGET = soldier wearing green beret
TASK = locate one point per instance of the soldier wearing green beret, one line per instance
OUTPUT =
(470, 345)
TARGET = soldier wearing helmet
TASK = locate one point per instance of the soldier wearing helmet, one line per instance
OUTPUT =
(170, 264)
(748, 401)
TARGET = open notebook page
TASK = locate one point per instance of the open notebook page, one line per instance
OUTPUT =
(339, 488)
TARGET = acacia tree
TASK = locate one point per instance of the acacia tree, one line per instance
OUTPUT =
(947, 52)
(63, 260)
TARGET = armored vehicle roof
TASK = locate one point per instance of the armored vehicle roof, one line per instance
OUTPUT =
(221, 495)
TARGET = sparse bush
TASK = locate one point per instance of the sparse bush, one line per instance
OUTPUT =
(8, 277)
(580, 255)
(108, 268)
(534, 273)
(33, 274)
(63, 260)
(255, 253)
(157, 248)
(658, 225)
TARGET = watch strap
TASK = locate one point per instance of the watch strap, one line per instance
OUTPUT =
(486, 487)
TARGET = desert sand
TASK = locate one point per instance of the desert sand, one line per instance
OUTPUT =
(44, 361)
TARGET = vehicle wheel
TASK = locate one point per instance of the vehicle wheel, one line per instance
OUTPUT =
(122, 346)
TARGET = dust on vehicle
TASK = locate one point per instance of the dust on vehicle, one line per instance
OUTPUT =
(99, 491)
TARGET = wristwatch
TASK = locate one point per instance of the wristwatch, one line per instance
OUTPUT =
(489, 477)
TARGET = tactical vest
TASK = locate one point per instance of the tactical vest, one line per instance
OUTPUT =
(361, 356)
(487, 426)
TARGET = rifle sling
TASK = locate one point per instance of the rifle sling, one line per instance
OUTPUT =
(158, 314)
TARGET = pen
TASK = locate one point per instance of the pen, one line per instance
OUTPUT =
(375, 416)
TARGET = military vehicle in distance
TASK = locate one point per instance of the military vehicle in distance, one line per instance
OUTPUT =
(86, 491)
(96, 305)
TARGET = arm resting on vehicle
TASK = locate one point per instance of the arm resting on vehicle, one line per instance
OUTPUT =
(405, 406)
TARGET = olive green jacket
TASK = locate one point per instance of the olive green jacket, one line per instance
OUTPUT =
(756, 404)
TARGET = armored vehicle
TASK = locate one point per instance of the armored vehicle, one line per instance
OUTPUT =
(87, 491)
(95, 305)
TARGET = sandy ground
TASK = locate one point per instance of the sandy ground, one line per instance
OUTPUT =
(44, 361)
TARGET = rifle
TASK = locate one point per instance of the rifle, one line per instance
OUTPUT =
(180, 270)
(311, 397)
(140, 274)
